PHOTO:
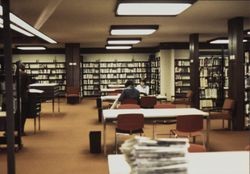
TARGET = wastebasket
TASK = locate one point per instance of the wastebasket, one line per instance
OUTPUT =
(95, 141)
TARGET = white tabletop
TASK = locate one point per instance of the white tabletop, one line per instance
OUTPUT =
(2, 114)
(36, 91)
(110, 89)
(236, 162)
(114, 97)
(116, 86)
(153, 113)
(42, 84)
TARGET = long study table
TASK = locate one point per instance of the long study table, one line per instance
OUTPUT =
(110, 115)
(235, 162)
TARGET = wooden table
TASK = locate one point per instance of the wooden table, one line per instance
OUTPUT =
(236, 162)
(110, 115)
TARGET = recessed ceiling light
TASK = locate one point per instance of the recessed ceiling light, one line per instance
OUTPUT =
(152, 7)
(133, 30)
(248, 32)
(118, 47)
(123, 41)
(31, 47)
(25, 26)
(222, 41)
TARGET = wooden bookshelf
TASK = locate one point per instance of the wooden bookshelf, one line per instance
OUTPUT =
(211, 79)
(247, 88)
(182, 77)
(97, 75)
(48, 72)
(154, 75)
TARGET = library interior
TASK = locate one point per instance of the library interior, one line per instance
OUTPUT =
(125, 86)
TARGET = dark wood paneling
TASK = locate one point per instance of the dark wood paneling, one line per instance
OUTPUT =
(72, 55)
(194, 70)
(236, 70)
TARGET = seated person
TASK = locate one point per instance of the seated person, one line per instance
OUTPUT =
(143, 88)
(130, 92)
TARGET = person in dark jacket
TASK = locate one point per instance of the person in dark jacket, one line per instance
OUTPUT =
(130, 92)
(24, 86)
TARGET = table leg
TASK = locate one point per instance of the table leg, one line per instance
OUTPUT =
(207, 133)
(104, 138)
(58, 103)
(53, 104)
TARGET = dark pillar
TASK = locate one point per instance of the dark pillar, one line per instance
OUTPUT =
(9, 88)
(72, 54)
(194, 68)
(236, 70)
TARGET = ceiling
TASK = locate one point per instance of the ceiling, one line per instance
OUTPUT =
(88, 21)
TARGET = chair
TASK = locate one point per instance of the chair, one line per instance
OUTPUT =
(129, 124)
(129, 106)
(129, 101)
(193, 148)
(73, 95)
(247, 148)
(187, 100)
(148, 101)
(189, 126)
(165, 122)
(225, 113)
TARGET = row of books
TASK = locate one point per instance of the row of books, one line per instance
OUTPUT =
(118, 64)
(182, 77)
(210, 61)
(182, 83)
(182, 69)
(209, 93)
(206, 103)
(183, 62)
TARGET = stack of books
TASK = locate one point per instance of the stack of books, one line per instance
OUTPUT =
(147, 156)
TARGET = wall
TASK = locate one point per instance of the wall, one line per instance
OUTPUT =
(39, 57)
(167, 58)
(113, 57)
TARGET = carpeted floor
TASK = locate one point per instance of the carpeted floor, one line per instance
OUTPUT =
(62, 145)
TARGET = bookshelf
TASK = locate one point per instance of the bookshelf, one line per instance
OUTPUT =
(212, 79)
(154, 75)
(48, 72)
(100, 74)
(182, 77)
(247, 88)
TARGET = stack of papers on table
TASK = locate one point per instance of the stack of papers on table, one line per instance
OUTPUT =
(147, 156)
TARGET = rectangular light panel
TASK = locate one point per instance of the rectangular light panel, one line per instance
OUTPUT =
(108, 47)
(132, 31)
(168, 9)
(31, 48)
(124, 42)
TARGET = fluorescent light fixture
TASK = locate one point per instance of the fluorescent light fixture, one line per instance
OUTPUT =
(31, 47)
(152, 7)
(25, 26)
(118, 47)
(222, 41)
(123, 41)
(133, 30)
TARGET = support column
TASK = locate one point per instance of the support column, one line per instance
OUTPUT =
(72, 54)
(194, 68)
(9, 88)
(236, 70)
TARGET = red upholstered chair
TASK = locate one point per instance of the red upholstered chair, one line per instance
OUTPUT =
(165, 122)
(225, 113)
(164, 105)
(187, 100)
(196, 148)
(148, 101)
(129, 101)
(73, 95)
(129, 106)
(189, 126)
(129, 124)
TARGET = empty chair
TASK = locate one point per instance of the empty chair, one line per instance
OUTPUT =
(166, 122)
(187, 100)
(129, 101)
(225, 113)
(73, 95)
(189, 126)
(129, 106)
(196, 148)
(164, 105)
(148, 101)
(129, 124)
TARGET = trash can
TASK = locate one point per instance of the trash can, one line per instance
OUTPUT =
(95, 141)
